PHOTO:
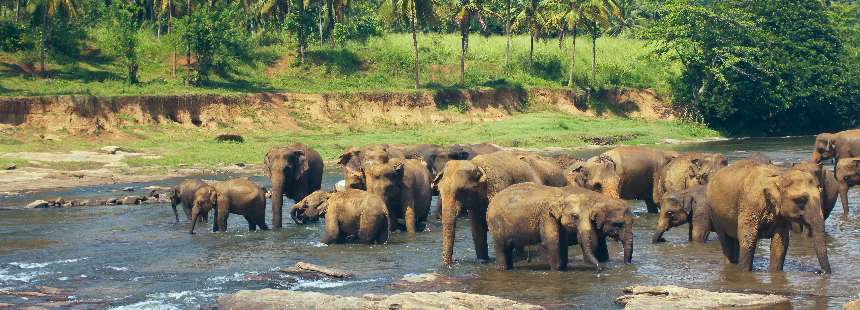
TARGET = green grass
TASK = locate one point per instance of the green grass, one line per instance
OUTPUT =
(177, 145)
(383, 64)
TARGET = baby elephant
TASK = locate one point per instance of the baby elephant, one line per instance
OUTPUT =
(528, 213)
(183, 193)
(847, 175)
(238, 196)
(352, 212)
(404, 185)
(689, 206)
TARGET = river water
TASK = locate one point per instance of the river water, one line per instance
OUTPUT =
(135, 257)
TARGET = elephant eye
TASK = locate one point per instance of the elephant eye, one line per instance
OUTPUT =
(670, 213)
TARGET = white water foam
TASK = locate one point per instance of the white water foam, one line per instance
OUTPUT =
(148, 305)
(117, 268)
(45, 264)
(329, 284)
(26, 277)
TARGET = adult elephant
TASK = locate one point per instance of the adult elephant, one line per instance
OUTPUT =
(237, 196)
(626, 172)
(847, 175)
(352, 212)
(295, 171)
(472, 184)
(750, 201)
(527, 213)
(437, 156)
(404, 185)
(838, 145)
(686, 171)
(354, 159)
(827, 181)
(549, 172)
(183, 193)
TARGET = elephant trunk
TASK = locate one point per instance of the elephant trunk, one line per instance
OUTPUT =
(277, 198)
(816, 222)
(627, 239)
(195, 214)
(587, 236)
(450, 210)
(298, 215)
(662, 227)
(816, 157)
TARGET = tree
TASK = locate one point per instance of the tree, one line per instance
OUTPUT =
(466, 10)
(46, 10)
(411, 12)
(532, 17)
(597, 14)
(119, 34)
(570, 16)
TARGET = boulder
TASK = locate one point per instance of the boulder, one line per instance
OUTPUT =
(283, 299)
(852, 305)
(676, 298)
(110, 149)
(131, 200)
(128, 189)
(38, 204)
(10, 167)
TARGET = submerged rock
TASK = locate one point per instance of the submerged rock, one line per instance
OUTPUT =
(38, 204)
(674, 297)
(283, 299)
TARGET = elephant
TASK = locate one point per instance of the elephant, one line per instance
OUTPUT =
(828, 182)
(686, 171)
(237, 196)
(751, 201)
(183, 193)
(611, 218)
(471, 184)
(760, 158)
(574, 174)
(469, 151)
(404, 185)
(527, 213)
(295, 171)
(549, 172)
(436, 156)
(688, 206)
(353, 161)
(843, 144)
(626, 172)
(847, 175)
(352, 212)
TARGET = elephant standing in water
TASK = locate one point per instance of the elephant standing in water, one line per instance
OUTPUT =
(237, 196)
(352, 212)
(626, 172)
(689, 206)
(838, 145)
(751, 201)
(183, 193)
(295, 171)
(827, 181)
(686, 171)
(527, 213)
(847, 175)
(353, 161)
(404, 185)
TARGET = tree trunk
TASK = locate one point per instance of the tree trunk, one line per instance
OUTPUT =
(330, 23)
(157, 22)
(169, 29)
(320, 22)
(302, 31)
(464, 41)
(415, 47)
(593, 54)
(531, 48)
(43, 41)
(507, 33)
(572, 57)
(188, 51)
(17, 10)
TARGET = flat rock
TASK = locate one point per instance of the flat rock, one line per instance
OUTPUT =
(110, 149)
(269, 299)
(37, 204)
(674, 297)
(10, 167)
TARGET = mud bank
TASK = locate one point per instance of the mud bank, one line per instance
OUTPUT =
(90, 115)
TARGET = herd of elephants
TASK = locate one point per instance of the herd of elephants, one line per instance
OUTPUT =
(523, 199)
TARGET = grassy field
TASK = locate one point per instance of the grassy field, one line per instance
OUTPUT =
(181, 146)
(384, 63)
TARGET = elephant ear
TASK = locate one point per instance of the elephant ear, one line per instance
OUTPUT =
(482, 176)
(347, 156)
(598, 216)
(772, 195)
(300, 164)
(687, 203)
(213, 197)
(398, 169)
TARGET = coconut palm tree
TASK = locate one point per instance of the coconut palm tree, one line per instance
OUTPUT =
(597, 15)
(46, 10)
(570, 16)
(533, 17)
(411, 12)
(466, 10)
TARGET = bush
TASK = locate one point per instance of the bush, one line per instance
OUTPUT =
(117, 34)
(218, 38)
(13, 37)
(360, 29)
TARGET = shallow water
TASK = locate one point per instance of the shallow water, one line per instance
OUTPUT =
(135, 257)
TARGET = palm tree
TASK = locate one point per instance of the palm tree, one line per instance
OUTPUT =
(597, 15)
(409, 11)
(466, 9)
(571, 15)
(533, 17)
(47, 9)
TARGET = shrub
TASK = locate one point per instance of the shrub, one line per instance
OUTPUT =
(13, 37)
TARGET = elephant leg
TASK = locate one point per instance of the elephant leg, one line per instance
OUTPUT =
(215, 223)
(699, 233)
(409, 218)
(728, 244)
(601, 251)
(843, 197)
(187, 211)
(549, 234)
(778, 249)
(504, 256)
(562, 252)
(747, 241)
(651, 206)
(332, 231)
(251, 225)
(479, 234)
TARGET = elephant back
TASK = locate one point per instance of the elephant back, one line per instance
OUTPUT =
(503, 169)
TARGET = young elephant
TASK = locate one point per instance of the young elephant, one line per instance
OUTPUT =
(295, 171)
(843, 144)
(528, 213)
(349, 213)
(237, 196)
(549, 172)
(689, 206)
(828, 182)
(183, 193)
(847, 175)
(626, 172)
(404, 185)
(472, 184)
(686, 171)
(611, 217)
(353, 161)
(750, 201)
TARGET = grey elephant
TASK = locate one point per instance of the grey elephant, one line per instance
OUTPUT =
(686, 171)
(838, 145)
(689, 206)
(183, 193)
(237, 196)
(404, 185)
(354, 159)
(847, 175)
(352, 212)
(295, 171)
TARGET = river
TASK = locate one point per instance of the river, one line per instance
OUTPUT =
(136, 257)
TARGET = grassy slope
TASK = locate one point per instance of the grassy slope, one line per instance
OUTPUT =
(178, 145)
(384, 63)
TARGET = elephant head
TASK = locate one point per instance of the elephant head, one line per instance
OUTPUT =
(285, 166)
(796, 196)
(205, 199)
(354, 160)
(705, 166)
(601, 176)
(677, 208)
(385, 179)
(613, 218)
(311, 207)
(575, 175)
(823, 148)
(460, 184)
(575, 216)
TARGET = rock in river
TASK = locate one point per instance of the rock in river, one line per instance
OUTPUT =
(281, 299)
(37, 204)
(676, 298)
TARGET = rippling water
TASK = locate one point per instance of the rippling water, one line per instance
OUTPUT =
(135, 257)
